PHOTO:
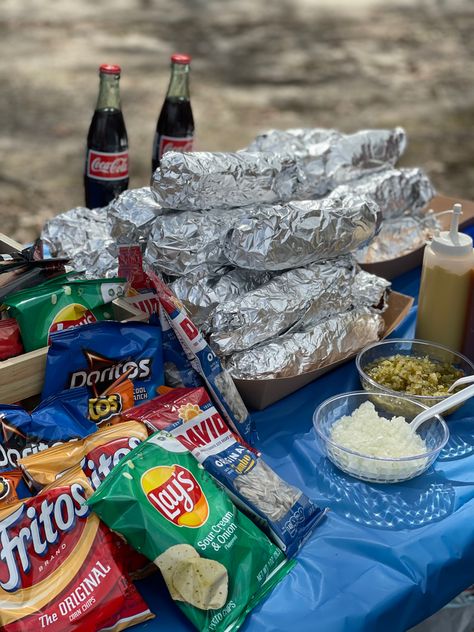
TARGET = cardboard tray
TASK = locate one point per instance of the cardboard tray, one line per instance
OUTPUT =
(394, 267)
(22, 377)
(259, 394)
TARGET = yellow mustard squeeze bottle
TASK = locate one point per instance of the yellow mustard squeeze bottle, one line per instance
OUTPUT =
(444, 291)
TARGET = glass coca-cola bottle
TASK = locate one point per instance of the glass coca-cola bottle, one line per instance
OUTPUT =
(175, 127)
(106, 169)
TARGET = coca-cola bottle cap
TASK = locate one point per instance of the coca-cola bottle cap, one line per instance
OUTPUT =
(110, 69)
(177, 58)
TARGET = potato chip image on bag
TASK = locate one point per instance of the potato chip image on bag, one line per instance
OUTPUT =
(216, 563)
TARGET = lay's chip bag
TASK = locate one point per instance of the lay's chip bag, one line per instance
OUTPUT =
(120, 364)
(216, 563)
(61, 304)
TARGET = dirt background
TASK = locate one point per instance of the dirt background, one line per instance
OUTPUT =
(283, 63)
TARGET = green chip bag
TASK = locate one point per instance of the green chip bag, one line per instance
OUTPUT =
(216, 563)
(59, 304)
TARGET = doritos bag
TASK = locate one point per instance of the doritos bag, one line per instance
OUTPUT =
(216, 563)
(62, 573)
(119, 363)
(57, 419)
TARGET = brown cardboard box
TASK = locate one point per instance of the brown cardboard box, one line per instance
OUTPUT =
(23, 376)
(261, 393)
(394, 267)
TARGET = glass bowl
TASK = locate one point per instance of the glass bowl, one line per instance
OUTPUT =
(418, 348)
(434, 432)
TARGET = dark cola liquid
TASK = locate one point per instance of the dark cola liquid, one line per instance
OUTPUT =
(106, 169)
(175, 122)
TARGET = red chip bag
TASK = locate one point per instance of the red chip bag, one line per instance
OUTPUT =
(62, 573)
(179, 404)
(10, 340)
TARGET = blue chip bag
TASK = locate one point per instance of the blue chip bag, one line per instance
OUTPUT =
(120, 364)
(57, 419)
(281, 510)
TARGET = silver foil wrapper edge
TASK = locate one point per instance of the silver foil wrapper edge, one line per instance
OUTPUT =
(332, 340)
(130, 216)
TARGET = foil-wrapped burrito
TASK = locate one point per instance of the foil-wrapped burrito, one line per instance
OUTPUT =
(328, 158)
(296, 234)
(83, 235)
(399, 237)
(130, 216)
(204, 180)
(202, 291)
(182, 242)
(396, 191)
(331, 340)
(297, 299)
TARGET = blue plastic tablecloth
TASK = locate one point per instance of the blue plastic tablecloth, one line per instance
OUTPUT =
(387, 556)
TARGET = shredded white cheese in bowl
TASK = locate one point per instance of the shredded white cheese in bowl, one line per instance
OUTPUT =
(375, 448)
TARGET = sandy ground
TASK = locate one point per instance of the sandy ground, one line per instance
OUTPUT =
(349, 65)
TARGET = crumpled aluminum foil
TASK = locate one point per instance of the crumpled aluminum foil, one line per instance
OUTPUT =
(293, 301)
(399, 237)
(130, 216)
(202, 291)
(296, 234)
(82, 234)
(182, 242)
(193, 181)
(328, 158)
(332, 340)
(396, 191)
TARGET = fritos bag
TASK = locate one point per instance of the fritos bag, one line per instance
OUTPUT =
(119, 363)
(96, 455)
(285, 514)
(220, 384)
(61, 574)
(216, 563)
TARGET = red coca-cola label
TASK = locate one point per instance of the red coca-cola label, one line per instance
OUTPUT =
(171, 143)
(102, 165)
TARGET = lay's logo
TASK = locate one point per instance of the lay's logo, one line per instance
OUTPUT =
(177, 495)
(71, 316)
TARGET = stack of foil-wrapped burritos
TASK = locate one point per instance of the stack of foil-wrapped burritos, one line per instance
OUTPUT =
(261, 244)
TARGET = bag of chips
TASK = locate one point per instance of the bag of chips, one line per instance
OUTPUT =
(206, 363)
(10, 340)
(178, 405)
(96, 455)
(42, 310)
(119, 363)
(9, 480)
(216, 563)
(57, 419)
(285, 514)
(63, 572)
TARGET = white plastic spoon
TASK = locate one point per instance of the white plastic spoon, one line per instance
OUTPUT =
(442, 407)
(467, 379)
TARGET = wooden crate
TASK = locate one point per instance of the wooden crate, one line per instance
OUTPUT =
(23, 376)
